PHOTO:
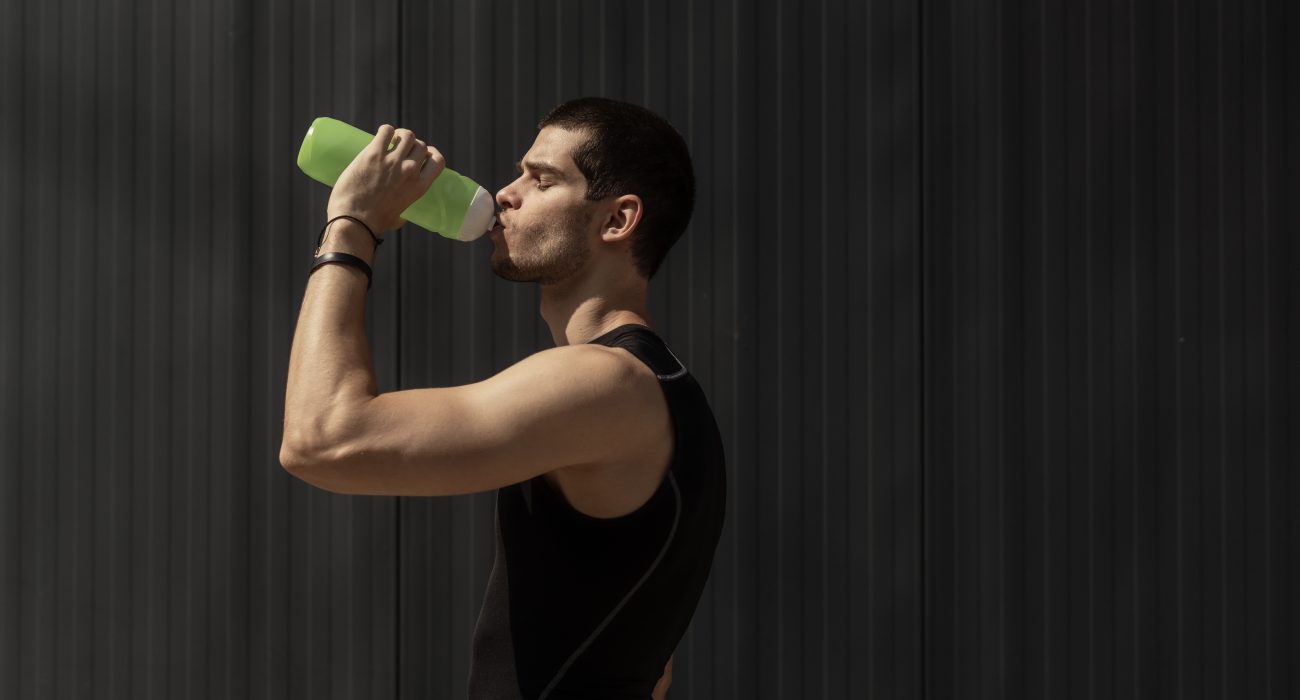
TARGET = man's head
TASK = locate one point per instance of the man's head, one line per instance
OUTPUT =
(603, 178)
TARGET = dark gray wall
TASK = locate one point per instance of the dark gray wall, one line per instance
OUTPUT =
(992, 300)
(1110, 339)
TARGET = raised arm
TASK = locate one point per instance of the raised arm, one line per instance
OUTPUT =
(566, 406)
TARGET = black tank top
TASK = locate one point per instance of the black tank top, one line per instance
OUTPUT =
(585, 607)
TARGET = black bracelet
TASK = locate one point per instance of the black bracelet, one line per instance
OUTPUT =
(346, 259)
(319, 239)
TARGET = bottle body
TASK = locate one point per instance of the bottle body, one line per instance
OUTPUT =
(455, 206)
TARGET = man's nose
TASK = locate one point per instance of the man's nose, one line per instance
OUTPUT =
(506, 198)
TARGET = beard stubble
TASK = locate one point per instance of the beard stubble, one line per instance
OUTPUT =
(554, 251)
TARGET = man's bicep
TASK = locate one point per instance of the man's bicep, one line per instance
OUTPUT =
(554, 409)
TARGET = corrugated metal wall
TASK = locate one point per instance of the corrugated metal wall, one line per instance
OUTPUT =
(991, 301)
(1110, 349)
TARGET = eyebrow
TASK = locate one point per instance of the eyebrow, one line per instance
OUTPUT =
(539, 167)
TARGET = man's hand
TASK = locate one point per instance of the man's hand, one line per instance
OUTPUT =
(385, 179)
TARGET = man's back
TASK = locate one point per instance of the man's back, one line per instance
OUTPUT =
(580, 606)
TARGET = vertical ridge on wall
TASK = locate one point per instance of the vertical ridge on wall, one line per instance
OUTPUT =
(156, 373)
(13, 69)
(235, 441)
(740, 421)
(401, 110)
(921, 296)
(1281, 424)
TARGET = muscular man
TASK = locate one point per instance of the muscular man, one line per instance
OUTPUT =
(603, 452)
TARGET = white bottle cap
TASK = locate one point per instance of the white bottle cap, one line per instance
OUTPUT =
(480, 217)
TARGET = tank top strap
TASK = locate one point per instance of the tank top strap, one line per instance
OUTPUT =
(647, 346)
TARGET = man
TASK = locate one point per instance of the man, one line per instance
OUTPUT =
(605, 457)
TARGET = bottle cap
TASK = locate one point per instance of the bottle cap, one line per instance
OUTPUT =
(480, 217)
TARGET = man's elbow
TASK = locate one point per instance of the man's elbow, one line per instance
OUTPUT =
(321, 438)
(292, 459)
(298, 454)
(302, 443)
(316, 468)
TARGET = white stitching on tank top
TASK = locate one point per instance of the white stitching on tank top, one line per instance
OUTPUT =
(583, 647)
(681, 364)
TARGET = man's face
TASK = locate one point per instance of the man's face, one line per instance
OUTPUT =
(545, 218)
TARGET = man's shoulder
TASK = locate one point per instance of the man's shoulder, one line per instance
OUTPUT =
(594, 363)
(586, 372)
(637, 443)
(609, 365)
(612, 372)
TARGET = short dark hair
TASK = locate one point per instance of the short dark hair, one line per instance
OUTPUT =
(631, 150)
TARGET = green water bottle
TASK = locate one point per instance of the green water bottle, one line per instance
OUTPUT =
(454, 207)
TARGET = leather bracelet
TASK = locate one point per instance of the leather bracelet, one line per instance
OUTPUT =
(346, 259)
(319, 239)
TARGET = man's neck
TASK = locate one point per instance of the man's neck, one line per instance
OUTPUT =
(578, 311)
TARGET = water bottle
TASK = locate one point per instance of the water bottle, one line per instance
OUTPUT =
(454, 207)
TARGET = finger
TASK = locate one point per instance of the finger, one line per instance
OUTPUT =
(419, 151)
(383, 137)
(405, 140)
(433, 166)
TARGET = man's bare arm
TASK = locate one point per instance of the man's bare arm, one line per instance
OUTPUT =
(330, 365)
(661, 688)
(566, 406)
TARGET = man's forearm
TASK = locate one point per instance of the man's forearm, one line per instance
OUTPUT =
(330, 365)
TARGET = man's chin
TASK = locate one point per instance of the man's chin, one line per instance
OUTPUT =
(509, 272)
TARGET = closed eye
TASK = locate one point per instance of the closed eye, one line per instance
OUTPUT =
(539, 169)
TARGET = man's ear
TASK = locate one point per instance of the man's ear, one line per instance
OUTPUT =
(623, 218)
